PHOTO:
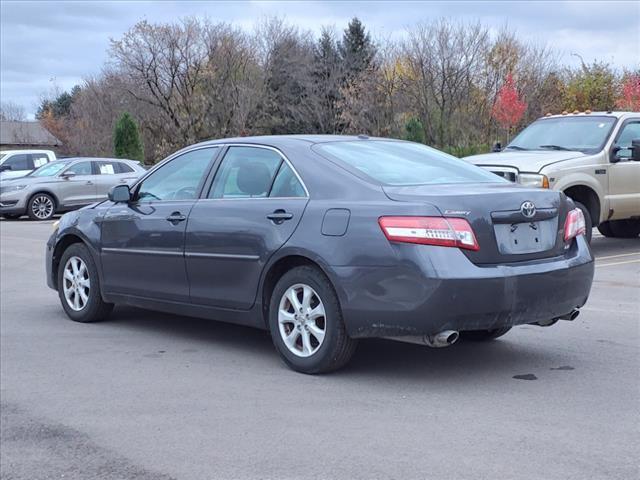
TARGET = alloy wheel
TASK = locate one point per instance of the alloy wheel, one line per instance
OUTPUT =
(42, 207)
(76, 284)
(301, 320)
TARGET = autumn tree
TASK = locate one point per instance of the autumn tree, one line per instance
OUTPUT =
(126, 139)
(508, 107)
(591, 87)
(630, 95)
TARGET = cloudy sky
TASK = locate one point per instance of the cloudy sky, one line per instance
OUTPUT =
(48, 44)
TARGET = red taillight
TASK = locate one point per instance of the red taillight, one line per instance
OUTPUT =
(445, 232)
(574, 225)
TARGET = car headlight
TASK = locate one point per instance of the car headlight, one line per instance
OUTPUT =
(56, 224)
(12, 188)
(534, 180)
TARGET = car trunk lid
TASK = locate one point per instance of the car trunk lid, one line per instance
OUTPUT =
(511, 223)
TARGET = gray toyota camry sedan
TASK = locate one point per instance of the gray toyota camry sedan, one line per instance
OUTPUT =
(324, 240)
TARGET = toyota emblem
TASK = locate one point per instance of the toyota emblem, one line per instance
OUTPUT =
(528, 209)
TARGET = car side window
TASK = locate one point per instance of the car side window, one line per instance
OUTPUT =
(286, 183)
(123, 168)
(39, 159)
(108, 168)
(18, 162)
(178, 179)
(246, 172)
(80, 168)
(630, 132)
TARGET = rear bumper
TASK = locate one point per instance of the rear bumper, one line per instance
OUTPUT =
(437, 288)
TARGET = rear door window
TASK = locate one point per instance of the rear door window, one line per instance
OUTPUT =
(246, 172)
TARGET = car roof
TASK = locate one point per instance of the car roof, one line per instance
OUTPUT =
(93, 159)
(592, 114)
(289, 140)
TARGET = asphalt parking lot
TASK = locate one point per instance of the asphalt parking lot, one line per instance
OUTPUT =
(153, 396)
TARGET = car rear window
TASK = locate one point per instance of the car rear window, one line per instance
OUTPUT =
(403, 163)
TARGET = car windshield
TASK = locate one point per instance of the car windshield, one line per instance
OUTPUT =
(582, 134)
(48, 170)
(404, 163)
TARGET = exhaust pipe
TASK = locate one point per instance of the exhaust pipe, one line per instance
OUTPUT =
(438, 340)
(571, 316)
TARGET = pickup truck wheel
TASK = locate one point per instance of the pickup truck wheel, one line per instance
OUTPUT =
(306, 323)
(605, 229)
(625, 228)
(484, 335)
(587, 221)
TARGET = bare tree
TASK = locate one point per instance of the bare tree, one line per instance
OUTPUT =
(12, 112)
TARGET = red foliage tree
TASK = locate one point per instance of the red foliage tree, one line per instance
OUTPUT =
(630, 99)
(508, 107)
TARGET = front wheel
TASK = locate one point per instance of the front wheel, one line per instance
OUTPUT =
(79, 286)
(42, 206)
(484, 335)
(306, 323)
(588, 223)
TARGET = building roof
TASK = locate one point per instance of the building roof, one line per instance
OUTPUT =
(26, 133)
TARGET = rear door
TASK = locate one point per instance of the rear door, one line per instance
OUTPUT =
(143, 241)
(76, 184)
(252, 208)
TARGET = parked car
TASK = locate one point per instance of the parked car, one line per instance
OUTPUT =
(64, 185)
(18, 163)
(324, 240)
(589, 156)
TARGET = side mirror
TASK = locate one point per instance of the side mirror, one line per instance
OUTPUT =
(68, 175)
(635, 150)
(120, 194)
(4, 168)
(497, 147)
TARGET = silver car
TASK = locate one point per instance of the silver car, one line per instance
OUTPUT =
(64, 185)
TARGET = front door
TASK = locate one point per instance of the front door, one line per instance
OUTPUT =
(76, 185)
(624, 175)
(251, 210)
(143, 241)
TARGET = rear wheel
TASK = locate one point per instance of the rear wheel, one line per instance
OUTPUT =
(484, 335)
(42, 206)
(625, 228)
(588, 223)
(605, 229)
(79, 286)
(306, 323)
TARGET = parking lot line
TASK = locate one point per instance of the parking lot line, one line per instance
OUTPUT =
(619, 255)
(617, 263)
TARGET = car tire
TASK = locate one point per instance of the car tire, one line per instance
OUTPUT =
(79, 286)
(605, 229)
(483, 335)
(41, 206)
(587, 221)
(11, 216)
(625, 228)
(312, 338)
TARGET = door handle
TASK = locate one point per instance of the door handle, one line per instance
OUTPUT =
(176, 217)
(279, 216)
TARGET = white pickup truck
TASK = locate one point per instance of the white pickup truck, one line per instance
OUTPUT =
(17, 163)
(593, 157)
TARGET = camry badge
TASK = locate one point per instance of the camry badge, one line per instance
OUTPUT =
(528, 209)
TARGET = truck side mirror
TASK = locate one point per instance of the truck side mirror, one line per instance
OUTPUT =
(4, 168)
(635, 150)
(497, 147)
